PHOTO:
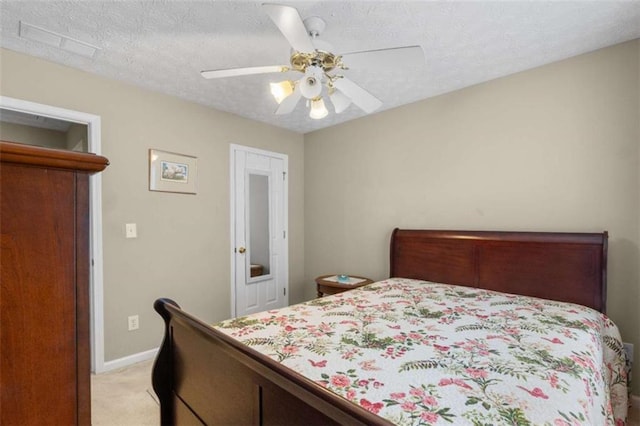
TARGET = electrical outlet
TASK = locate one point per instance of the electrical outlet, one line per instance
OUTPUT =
(628, 349)
(134, 322)
(130, 230)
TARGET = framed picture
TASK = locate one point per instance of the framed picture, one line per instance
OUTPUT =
(171, 172)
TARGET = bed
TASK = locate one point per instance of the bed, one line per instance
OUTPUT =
(471, 328)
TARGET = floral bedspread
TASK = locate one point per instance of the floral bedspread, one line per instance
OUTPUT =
(422, 353)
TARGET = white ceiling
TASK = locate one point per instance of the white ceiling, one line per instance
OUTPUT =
(163, 45)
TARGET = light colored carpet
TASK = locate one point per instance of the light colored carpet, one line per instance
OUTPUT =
(124, 397)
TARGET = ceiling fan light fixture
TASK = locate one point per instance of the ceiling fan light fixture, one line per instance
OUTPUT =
(318, 109)
(311, 83)
(282, 90)
(339, 100)
(314, 59)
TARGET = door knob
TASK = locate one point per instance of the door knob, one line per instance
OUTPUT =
(241, 250)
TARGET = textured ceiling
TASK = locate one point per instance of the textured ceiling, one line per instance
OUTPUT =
(163, 45)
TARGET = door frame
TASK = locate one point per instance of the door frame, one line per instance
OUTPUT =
(233, 148)
(95, 207)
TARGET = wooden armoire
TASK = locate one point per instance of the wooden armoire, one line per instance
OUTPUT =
(44, 293)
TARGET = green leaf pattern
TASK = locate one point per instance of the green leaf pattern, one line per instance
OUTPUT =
(422, 353)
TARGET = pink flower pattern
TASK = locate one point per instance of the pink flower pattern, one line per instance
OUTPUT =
(406, 350)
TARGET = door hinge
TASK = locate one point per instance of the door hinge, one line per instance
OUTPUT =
(284, 175)
(92, 262)
(284, 291)
(284, 234)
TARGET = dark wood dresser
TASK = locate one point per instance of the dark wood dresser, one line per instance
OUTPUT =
(44, 293)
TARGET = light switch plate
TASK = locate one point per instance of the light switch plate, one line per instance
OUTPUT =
(134, 322)
(130, 230)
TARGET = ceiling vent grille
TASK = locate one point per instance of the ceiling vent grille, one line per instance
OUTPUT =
(51, 38)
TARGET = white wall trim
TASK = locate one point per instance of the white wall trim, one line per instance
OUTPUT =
(129, 360)
(94, 145)
(232, 222)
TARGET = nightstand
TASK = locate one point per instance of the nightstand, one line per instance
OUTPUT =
(328, 284)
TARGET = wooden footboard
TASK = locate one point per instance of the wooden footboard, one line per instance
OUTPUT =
(201, 376)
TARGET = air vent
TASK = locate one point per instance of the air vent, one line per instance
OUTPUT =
(51, 38)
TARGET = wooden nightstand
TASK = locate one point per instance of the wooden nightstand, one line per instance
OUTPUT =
(326, 285)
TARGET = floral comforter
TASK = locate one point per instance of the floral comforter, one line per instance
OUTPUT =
(422, 353)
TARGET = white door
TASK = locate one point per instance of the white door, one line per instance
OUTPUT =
(259, 204)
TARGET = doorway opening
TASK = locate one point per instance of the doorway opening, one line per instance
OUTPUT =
(82, 134)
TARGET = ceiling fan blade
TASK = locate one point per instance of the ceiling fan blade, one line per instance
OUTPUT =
(365, 100)
(289, 103)
(339, 100)
(234, 72)
(397, 57)
(288, 20)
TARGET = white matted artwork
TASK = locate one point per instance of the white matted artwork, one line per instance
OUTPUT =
(172, 172)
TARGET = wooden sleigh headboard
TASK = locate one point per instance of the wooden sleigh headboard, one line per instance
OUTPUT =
(568, 267)
(203, 376)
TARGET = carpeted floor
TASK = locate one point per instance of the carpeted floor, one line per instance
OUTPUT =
(124, 397)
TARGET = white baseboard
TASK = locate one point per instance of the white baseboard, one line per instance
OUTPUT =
(129, 360)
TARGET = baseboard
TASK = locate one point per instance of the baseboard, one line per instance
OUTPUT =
(129, 360)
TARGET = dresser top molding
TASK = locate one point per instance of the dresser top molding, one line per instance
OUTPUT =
(17, 153)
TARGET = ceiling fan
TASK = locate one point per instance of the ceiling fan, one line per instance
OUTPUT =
(321, 67)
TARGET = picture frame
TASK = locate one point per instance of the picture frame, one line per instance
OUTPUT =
(172, 172)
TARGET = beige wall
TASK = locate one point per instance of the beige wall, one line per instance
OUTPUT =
(33, 135)
(182, 250)
(551, 149)
(77, 137)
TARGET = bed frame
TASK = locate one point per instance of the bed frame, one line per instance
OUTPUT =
(202, 376)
